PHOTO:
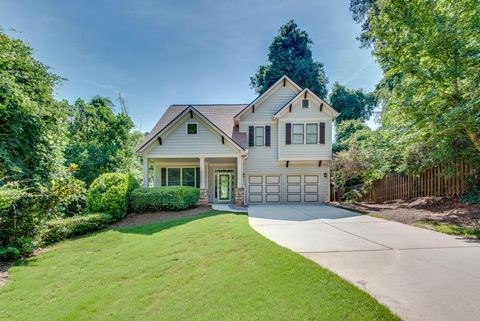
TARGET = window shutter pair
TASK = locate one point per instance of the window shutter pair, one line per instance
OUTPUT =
(251, 136)
(288, 133)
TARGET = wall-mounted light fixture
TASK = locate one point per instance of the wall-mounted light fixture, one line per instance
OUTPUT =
(325, 175)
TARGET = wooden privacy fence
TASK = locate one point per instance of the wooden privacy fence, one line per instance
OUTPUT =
(429, 183)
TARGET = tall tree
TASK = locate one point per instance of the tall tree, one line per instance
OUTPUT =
(290, 53)
(100, 140)
(32, 122)
(352, 103)
(429, 53)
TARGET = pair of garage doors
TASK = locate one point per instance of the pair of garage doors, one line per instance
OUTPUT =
(297, 188)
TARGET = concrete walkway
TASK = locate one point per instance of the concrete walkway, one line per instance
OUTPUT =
(419, 274)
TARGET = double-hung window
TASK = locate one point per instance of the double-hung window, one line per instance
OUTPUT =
(312, 133)
(259, 136)
(297, 133)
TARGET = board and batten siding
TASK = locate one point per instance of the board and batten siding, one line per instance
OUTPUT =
(176, 141)
(312, 114)
(276, 100)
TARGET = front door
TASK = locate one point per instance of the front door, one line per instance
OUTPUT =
(224, 187)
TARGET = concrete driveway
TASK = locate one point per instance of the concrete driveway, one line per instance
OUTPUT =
(419, 274)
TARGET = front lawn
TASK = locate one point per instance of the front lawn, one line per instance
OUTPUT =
(209, 267)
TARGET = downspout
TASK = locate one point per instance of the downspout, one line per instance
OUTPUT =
(243, 182)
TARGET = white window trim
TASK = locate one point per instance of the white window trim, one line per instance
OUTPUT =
(181, 175)
(255, 135)
(318, 133)
(305, 133)
(191, 123)
(291, 138)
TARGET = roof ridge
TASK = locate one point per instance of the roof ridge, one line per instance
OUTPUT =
(207, 104)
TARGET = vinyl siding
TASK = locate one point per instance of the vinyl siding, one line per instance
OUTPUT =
(176, 141)
(305, 151)
(265, 110)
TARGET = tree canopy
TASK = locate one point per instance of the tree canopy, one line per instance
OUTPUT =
(32, 122)
(100, 141)
(352, 103)
(290, 53)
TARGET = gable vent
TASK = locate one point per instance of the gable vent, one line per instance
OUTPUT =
(305, 103)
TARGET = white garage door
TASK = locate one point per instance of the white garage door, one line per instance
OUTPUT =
(302, 188)
(264, 189)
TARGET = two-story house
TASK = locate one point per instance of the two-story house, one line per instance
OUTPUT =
(277, 149)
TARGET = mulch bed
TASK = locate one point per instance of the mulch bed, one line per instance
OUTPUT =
(439, 209)
(139, 219)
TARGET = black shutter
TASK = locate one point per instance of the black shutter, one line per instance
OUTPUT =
(321, 136)
(267, 135)
(251, 136)
(197, 170)
(163, 173)
(288, 133)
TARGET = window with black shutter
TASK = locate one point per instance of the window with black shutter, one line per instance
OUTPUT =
(321, 136)
(251, 136)
(288, 133)
(267, 135)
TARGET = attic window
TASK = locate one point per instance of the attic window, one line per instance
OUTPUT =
(305, 103)
(191, 129)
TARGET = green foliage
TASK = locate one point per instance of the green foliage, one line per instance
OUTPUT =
(100, 141)
(290, 53)
(172, 198)
(352, 103)
(348, 131)
(33, 124)
(109, 193)
(65, 195)
(453, 229)
(353, 196)
(9, 253)
(61, 229)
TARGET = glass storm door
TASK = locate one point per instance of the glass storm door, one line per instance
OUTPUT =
(223, 187)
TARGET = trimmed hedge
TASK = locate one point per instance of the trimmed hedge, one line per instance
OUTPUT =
(170, 198)
(61, 229)
(109, 194)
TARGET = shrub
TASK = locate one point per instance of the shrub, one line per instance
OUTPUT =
(172, 198)
(353, 196)
(471, 197)
(9, 253)
(61, 229)
(109, 194)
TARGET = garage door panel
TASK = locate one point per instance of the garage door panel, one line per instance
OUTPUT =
(311, 197)
(293, 189)
(273, 179)
(273, 189)
(293, 179)
(311, 189)
(255, 180)
(273, 198)
(256, 198)
(294, 198)
(256, 189)
(311, 179)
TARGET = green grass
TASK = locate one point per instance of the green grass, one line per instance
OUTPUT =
(465, 231)
(213, 267)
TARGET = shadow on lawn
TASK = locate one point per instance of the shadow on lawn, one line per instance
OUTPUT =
(155, 227)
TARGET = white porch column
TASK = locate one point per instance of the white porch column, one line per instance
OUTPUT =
(202, 172)
(145, 171)
(239, 172)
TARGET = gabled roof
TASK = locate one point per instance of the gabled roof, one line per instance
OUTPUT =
(281, 81)
(301, 95)
(219, 116)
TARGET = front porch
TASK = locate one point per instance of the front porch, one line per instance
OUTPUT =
(220, 179)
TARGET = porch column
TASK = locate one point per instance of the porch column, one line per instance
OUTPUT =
(239, 191)
(239, 172)
(202, 172)
(145, 171)
(203, 186)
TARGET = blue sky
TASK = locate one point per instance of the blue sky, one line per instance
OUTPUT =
(158, 53)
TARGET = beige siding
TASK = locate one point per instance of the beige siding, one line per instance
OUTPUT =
(265, 110)
(305, 151)
(177, 142)
(261, 158)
